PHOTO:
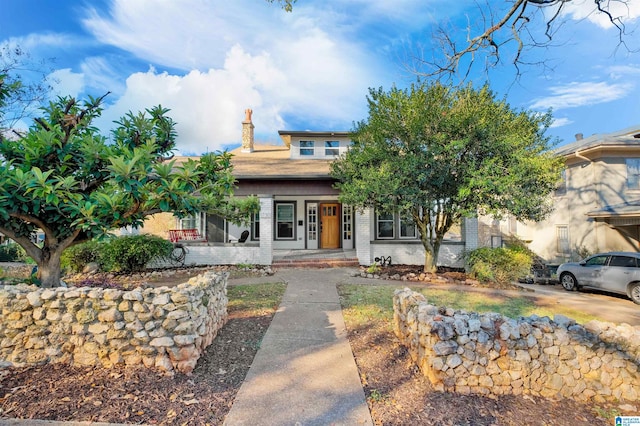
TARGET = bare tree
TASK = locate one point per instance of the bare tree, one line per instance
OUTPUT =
(506, 32)
(24, 82)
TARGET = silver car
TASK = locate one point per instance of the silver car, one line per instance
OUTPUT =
(617, 272)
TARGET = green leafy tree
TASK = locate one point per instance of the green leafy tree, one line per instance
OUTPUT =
(65, 179)
(437, 154)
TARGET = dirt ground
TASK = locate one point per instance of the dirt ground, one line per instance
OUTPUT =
(125, 395)
(396, 391)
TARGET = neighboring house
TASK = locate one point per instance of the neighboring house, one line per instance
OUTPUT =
(300, 210)
(597, 205)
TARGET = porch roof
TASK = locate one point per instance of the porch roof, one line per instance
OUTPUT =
(627, 213)
(274, 162)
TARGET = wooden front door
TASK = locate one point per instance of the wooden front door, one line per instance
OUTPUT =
(330, 225)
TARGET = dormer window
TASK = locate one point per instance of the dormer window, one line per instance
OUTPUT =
(331, 148)
(307, 147)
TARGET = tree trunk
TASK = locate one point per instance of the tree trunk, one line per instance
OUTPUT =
(431, 251)
(430, 263)
(49, 268)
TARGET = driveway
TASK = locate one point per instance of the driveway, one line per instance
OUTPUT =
(609, 306)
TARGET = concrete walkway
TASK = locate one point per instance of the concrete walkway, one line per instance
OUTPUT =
(304, 372)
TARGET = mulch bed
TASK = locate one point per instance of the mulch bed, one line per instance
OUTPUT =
(415, 275)
(126, 395)
(398, 393)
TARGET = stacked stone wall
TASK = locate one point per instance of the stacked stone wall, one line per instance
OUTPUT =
(491, 354)
(163, 328)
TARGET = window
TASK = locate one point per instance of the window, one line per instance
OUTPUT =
(307, 147)
(312, 222)
(384, 225)
(346, 222)
(496, 241)
(597, 261)
(633, 173)
(331, 148)
(188, 222)
(623, 261)
(562, 185)
(285, 221)
(255, 226)
(407, 227)
(562, 239)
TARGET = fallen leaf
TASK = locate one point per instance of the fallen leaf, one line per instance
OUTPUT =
(190, 401)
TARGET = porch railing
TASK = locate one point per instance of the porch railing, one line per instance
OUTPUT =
(176, 235)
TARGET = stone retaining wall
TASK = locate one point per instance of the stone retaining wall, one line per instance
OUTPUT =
(164, 328)
(489, 353)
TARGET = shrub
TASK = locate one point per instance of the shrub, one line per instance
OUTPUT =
(12, 253)
(132, 253)
(500, 265)
(75, 258)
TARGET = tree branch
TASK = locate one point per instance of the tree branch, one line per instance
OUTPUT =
(32, 250)
(518, 21)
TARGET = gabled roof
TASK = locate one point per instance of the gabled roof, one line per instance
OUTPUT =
(273, 162)
(622, 139)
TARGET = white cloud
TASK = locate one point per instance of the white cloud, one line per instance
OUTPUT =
(39, 41)
(66, 83)
(278, 64)
(559, 122)
(186, 34)
(578, 94)
(100, 76)
(623, 71)
(625, 11)
(208, 106)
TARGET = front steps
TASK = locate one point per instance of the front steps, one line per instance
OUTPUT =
(315, 263)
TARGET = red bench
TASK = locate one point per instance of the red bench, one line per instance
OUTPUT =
(176, 235)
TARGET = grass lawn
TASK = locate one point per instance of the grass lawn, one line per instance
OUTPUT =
(362, 304)
(255, 299)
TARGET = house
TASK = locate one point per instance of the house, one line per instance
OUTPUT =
(597, 205)
(300, 210)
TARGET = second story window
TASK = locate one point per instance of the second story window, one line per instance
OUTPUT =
(307, 147)
(562, 185)
(331, 148)
(633, 173)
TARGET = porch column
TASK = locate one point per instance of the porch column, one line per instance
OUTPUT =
(362, 221)
(266, 229)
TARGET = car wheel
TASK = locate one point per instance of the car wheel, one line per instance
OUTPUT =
(634, 293)
(568, 281)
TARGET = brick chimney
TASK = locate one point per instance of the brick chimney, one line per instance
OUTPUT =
(247, 132)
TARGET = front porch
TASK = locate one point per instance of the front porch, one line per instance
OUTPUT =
(361, 247)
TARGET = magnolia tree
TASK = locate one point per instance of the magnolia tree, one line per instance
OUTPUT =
(66, 180)
(434, 155)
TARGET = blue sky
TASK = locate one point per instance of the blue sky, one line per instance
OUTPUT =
(209, 60)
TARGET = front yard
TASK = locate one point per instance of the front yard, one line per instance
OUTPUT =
(396, 391)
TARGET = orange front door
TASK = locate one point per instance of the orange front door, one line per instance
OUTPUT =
(329, 225)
